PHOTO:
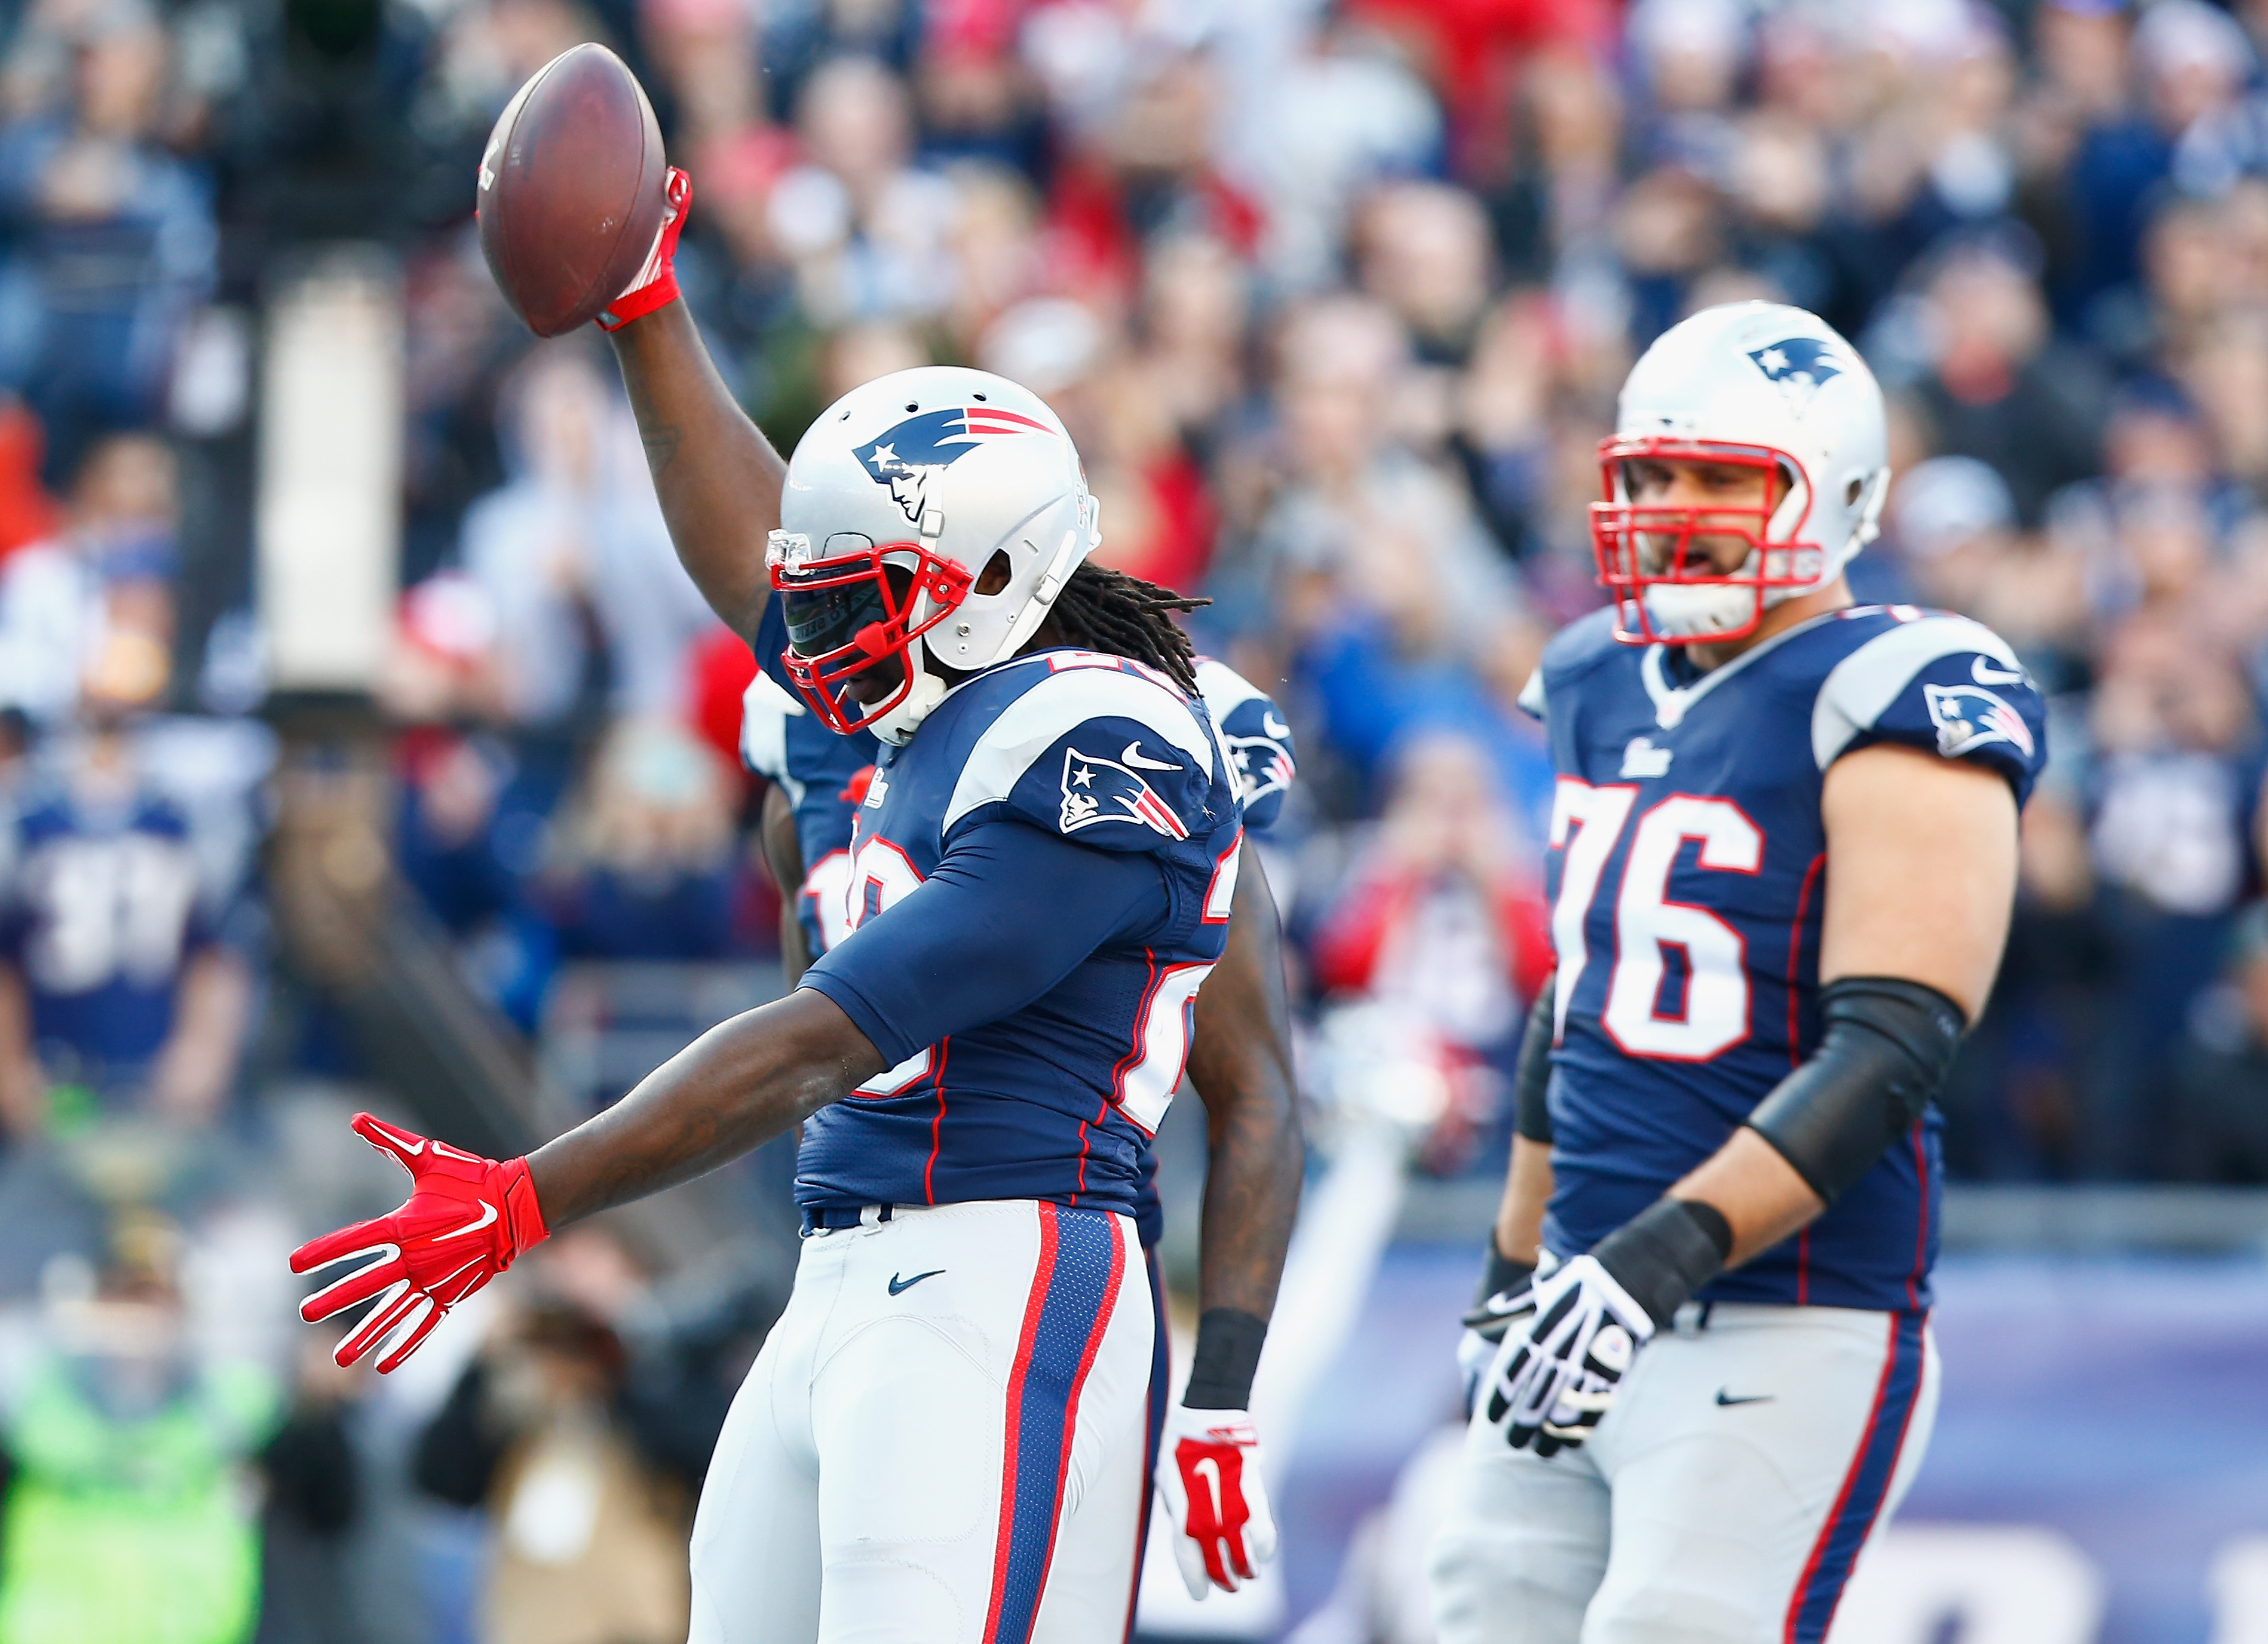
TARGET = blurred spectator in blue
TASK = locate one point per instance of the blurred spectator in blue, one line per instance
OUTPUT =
(87, 595)
(108, 239)
(127, 1517)
(592, 610)
(2221, 1087)
(2042, 1066)
(2175, 795)
(643, 865)
(469, 840)
(120, 979)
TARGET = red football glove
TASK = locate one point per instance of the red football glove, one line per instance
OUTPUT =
(1210, 1476)
(657, 282)
(466, 1220)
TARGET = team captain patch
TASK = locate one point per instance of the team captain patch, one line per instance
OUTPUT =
(1969, 717)
(1103, 790)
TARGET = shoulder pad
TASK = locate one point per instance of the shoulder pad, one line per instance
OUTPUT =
(1935, 681)
(1110, 756)
(1254, 736)
(765, 710)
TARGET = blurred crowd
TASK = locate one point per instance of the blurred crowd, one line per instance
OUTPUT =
(1334, 296)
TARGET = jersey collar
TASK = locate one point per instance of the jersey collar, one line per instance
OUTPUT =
(1673, 703)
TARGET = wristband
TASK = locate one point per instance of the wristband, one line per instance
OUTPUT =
(1665, 1252)
(1499, 1273)
(1227, 1354)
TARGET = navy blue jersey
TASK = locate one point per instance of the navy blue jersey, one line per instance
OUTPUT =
(98, 912)
(1040, 880)
(1686, 878)
(818, 771)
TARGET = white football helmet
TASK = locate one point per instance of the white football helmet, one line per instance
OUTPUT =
(1757, 385)
(898, 499)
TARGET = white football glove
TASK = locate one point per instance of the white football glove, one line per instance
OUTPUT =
(1490, 1319)
(1552, 1385)
(1209, 1472)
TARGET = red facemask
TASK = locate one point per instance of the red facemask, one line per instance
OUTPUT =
(1627, 536)
(848, 613)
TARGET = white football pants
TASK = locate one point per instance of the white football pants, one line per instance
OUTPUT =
(1724, 1499)
(942, 1441)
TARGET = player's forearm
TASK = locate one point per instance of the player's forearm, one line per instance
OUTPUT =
(718, 477)
(733, 1089)
(1757, 1190)
(1240, 1067)
(1527, 1191)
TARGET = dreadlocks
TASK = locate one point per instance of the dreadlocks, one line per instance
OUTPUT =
(1101, 609)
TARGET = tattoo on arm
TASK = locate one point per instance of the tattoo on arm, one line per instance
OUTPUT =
(660, 447)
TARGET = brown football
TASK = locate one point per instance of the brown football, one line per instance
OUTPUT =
(571, 189)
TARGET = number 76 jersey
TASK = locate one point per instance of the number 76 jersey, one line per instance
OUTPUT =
(1688, 876)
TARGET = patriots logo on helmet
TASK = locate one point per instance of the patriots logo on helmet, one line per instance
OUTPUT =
(1797, 367)
(1262, 766)
(1103, 790)
(1969, 717)
(908, 455)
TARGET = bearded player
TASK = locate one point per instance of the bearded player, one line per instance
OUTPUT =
(1783, 857)
(943, 1435)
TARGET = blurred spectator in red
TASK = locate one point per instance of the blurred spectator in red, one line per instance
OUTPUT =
(28, 513)
(110, 235)
(1442, 914)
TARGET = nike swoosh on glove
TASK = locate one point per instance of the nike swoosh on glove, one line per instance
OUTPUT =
(1552, 1385)
(1209, 1472)
(656, 284)
(466, 1220)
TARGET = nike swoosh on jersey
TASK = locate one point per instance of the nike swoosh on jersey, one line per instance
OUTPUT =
(1725, 1398)
(1133, 756)
(1985, 673)
(1275, 727)
(487, 1214)
(900, 1286)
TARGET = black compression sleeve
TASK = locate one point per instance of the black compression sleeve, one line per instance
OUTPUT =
(1886, 1049)
(1531, 1074)
(1227, 1354)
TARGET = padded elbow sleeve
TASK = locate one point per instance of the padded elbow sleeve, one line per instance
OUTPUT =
(1886, 1049)
(1531, 1074)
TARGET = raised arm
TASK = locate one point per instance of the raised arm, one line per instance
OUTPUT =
(717, 475)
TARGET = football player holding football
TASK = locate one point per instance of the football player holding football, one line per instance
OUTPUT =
(943, 1436)
(1783, 854)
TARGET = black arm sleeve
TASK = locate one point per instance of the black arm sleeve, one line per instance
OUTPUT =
(1886, 1049)
(1531, 1074)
